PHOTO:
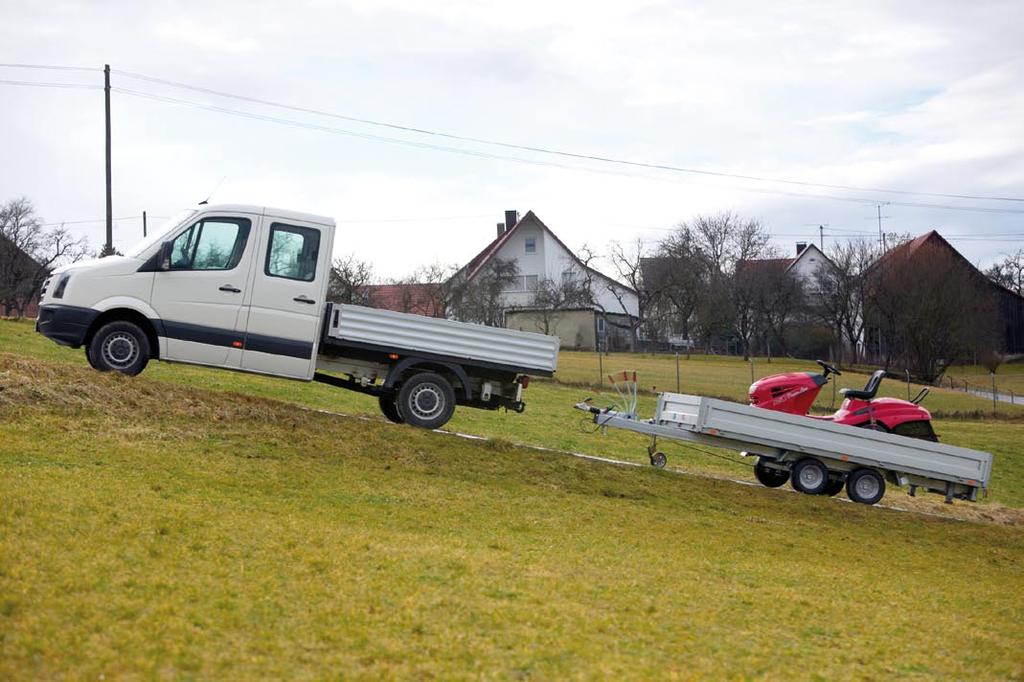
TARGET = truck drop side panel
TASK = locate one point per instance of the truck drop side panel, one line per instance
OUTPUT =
(403, 333)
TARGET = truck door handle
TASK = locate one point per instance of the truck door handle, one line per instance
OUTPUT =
(303, 299)
(228, 287)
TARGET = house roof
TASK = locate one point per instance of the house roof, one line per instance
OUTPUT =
(908, 250)
(403, 298)
(491, 250)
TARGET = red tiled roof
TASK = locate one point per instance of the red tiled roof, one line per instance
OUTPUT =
(404, 298)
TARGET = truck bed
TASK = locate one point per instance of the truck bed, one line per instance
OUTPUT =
(794, 433)
(404, 333)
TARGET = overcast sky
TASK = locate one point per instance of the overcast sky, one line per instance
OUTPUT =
(916, 96)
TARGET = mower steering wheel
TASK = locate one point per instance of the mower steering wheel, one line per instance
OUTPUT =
(829, 368)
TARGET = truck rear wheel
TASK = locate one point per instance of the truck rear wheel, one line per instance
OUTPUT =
(119, 346)
(426, 400)
(389, 409)
(770, 478)
(810, 476)
(865, 486)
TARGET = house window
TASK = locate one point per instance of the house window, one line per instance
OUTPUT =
(600, 325)
(531, 245)
(532, 281)
(515, 284)
(566, 276)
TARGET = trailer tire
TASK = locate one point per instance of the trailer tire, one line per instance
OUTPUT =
(865, 486)
(810, 476)
(389, 409)
(119, 346)
(426, 400)
(769, 478)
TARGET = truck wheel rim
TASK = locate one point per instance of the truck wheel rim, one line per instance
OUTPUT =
(426, 401)
(866, 487)
(811, 477)
(120, 349)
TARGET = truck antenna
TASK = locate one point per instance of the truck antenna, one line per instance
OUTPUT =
(217, 187)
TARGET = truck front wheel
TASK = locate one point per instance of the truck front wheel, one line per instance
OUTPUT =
(426, 400)
(119, 346)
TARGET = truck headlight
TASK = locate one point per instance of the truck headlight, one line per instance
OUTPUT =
(62, 284)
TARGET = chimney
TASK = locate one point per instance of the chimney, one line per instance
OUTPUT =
(800, 246)
(501, 229)
(511, 218)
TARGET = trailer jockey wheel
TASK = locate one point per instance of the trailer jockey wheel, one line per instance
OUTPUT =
(426, 400)
(865, 486)
(768, 477)
(810, 476)
(659, 460)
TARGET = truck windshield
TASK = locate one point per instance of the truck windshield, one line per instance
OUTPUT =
(160, 233)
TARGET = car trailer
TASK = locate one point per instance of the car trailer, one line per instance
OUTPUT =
(818, 456)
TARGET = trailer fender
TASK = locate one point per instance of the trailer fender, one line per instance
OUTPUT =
(399, 369)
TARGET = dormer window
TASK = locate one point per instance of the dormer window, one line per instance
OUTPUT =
(531, 245)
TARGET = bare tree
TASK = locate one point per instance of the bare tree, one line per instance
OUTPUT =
(436, 283)
(628, 262)
(841, 289)
(479, 299)
(349, 279)
(29, 252)
(778, 296)
(1009, 272)
(681, 276)
(552, 298)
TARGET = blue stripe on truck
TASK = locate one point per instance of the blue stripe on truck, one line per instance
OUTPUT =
(215, 336)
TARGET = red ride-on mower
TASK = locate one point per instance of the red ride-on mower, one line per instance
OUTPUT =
(795, 392)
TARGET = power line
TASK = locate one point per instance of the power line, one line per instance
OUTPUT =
(51, 67)
(43, 84)
(534, 162)
(557, 152)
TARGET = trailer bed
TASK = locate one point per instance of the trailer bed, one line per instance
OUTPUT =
(955, 471)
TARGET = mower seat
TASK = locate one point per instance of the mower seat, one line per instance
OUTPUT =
(869, 390)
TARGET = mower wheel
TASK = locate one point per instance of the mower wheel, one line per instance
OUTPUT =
(769, 478)
(810, 476)
(834, 487)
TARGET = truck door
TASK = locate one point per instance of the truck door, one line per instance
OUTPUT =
(284, 311)
(199, 300)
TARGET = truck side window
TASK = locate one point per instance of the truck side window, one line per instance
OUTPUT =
(293, 252)
(213, 244)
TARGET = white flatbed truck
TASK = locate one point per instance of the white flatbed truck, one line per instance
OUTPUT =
(807, 449)
(244, 288)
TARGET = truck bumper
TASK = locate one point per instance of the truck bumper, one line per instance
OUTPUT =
(65, 324)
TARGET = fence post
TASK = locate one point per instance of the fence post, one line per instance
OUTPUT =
(751, 369)
(908, 383)
(600, 366)
(677, 371)
(1011, 396)
(993, 391)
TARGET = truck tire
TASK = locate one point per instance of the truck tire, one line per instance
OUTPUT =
(770, 478)
(119, 346)
(865, 486)
(810, 476)
(389, 409)
(426, 400)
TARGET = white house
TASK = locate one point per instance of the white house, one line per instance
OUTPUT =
(539, 254)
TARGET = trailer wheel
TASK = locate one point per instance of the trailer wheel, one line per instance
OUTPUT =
(810, 476)
(834, 487)
(770, 478)
(659, 460)
(426, 400)
(865, 486)
(119, 346)
(389, 409)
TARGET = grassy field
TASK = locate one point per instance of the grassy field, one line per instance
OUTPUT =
(194, 523)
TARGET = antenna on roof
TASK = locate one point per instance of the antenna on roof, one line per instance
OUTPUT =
(205, 201)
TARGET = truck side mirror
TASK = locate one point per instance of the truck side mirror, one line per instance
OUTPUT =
(163, 261)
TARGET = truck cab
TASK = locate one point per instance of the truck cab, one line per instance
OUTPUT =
(232, 286)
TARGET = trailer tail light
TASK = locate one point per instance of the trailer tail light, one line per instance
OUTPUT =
(524, 381)
(392, 356)
(236, 344)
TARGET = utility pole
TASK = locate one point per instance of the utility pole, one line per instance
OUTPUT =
(143, 224)
(109, 247)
